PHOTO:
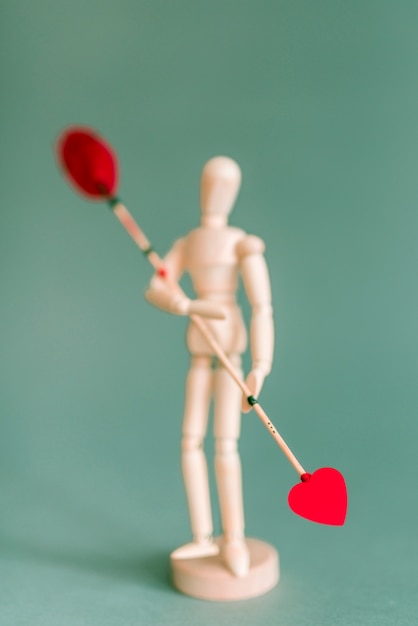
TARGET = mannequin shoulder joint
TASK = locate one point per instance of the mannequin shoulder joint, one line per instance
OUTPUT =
(249, 244)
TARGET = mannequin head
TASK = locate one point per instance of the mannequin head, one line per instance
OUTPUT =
(220, 183)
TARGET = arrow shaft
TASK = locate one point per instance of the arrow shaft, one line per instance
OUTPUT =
(139, 237)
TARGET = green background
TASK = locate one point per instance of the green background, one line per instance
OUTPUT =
(317, 100)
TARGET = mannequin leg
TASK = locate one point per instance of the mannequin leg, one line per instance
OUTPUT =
(193, 460)
(228, 469)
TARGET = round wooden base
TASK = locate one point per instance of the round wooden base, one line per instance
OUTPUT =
(207, 578)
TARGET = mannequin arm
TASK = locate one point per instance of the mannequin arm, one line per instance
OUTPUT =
(257, 286)
(161, 294)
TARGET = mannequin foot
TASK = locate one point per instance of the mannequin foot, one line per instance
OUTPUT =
(196, 549)
(236, 557)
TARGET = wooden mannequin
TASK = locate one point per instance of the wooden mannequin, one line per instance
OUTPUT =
(214, 255)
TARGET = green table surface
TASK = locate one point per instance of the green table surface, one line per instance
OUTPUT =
(317, 100)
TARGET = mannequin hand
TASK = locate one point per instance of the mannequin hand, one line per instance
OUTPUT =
(254, 381)
(205, 308)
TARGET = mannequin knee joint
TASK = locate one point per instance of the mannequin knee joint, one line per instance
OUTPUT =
(190, 443)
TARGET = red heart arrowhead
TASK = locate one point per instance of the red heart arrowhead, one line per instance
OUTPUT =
(321, 497)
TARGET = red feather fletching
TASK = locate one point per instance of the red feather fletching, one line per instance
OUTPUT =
(89, 163)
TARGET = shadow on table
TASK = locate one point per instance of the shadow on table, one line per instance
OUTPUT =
(114, 551)
(151, 569)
